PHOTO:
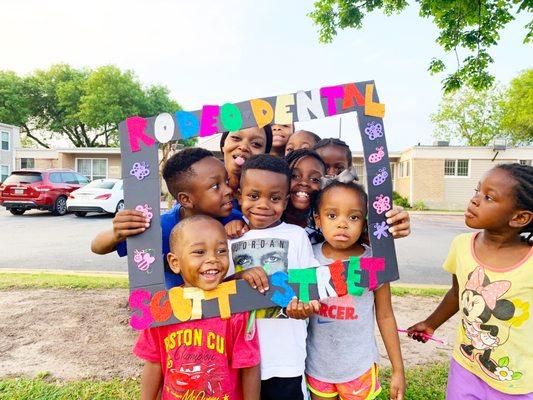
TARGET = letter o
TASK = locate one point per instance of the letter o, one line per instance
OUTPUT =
(164, 127)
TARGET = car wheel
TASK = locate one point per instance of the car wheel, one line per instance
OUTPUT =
(17, 211)
(120, 206)
(60, 206)
(80, 213)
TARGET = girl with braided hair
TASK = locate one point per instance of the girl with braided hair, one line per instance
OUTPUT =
(492, 287)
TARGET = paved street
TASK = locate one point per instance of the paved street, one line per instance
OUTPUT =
(40, 240)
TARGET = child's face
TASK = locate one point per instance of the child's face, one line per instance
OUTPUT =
(341, 217)
(280, 134)
(300, 140)
(335, 159)
(492, 206)
(209, 191)
(305, 180)
(263, 197)
(240, 145)
(200, 254)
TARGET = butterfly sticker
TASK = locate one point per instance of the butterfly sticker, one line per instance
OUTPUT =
(381, 204)
(373, 130)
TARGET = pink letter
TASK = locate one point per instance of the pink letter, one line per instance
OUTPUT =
(136, 127)
(208, 124)
(332, 93)
(372, 265)
(137, 299)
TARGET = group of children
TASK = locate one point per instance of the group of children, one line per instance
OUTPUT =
(302, 211)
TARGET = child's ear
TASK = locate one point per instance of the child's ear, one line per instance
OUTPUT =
(185, 199)
(316, 217)
(239, 196)
(521, 219)
(174, 263)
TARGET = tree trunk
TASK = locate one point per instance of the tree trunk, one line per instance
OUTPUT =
(28, 133)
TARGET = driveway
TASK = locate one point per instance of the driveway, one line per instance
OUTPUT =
(39, 240)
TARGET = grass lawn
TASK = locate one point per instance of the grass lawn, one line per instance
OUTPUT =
(423, 383)
(74, 281)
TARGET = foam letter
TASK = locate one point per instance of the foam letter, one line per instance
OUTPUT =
(371, 108)
(332, 93)
(280, 279)
(137, 299)
(354, 276)
(181, 307)
(136, 131)
(160, 312)
(263, 112)
(231, 117)
(222, 293)
(373, 265)
(188, 124)
(283, 112)
(325, 289)
(305, 104)
(196, 295)
(208, 125)
(351, 92)
(304, 277)
(336, 270)
(164, 127)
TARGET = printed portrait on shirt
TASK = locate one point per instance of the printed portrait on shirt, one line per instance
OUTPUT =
(272, 254)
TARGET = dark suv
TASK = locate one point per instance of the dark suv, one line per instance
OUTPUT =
(39, 189)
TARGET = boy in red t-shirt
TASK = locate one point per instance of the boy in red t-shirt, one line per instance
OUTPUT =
(208, 358)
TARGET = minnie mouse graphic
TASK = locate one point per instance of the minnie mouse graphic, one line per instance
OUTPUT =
(483, 319)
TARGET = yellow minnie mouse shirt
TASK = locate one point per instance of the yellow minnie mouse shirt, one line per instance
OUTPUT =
(495, 339)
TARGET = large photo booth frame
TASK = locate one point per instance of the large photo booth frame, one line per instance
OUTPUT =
(153, 305)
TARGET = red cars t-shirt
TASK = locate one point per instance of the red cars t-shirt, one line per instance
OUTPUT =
(201, 359)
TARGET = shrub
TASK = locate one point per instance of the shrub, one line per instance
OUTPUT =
(419, 206)
(398, 200)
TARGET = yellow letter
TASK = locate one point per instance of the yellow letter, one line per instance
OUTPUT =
(180, 306)
(222, 293)
(262, 110)
(197, 295)
(371, 108)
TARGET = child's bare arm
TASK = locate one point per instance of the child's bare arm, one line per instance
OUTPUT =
(251, 383)
(125, 223)
(399, 222)
(236, 228)
(445, 310)
(151, 380)
(389, 332)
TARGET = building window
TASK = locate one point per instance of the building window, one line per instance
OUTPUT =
(456, 167)
(92, 168)
(403, 170)
(393, 171)
(525, 162)
(4, 136)
(27, 163)
(4, 172)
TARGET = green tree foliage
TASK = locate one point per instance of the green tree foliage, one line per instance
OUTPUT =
(464, 25)
(517, 106)
(476, 118)
(469, 117)
(82, 105)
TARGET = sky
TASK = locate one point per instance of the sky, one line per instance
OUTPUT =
(213, 52)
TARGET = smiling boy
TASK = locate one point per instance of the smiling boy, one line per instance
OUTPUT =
(263, 196)
(220, 363)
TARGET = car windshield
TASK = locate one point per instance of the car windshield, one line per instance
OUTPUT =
(23, 177)
(101, 184)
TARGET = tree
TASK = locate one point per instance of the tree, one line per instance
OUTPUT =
(469, 25)
(15, 107)
(470, 117)
(83, 105)
(517, 106)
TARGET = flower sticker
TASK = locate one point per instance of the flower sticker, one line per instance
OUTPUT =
(146, 210)
(140, 170)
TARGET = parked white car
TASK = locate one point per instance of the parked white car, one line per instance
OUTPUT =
(100, 196)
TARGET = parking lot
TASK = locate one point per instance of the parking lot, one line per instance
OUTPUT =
(39, 240)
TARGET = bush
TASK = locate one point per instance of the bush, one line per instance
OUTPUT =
(419, 206)
(398, 200)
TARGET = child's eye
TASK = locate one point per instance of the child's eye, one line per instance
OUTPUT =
(315, 180)
(275, 198)
(354, 218)
(487, 197)
(331, 216)
(215, 186)
(199, 252)
(295, 176)
(253, 196)
(222, 250)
